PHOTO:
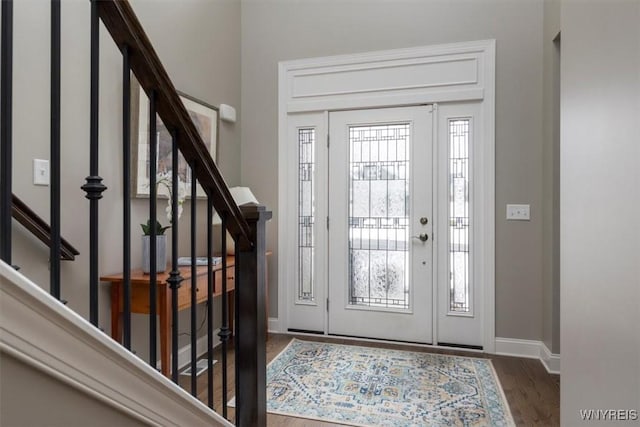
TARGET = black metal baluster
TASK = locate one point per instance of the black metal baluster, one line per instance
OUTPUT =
(54, 249)
(6, 152)
(126, 191)
(153, 237)
(94, 186)
(210, 279)
(224, 333)
(174, 276)
(194, 282)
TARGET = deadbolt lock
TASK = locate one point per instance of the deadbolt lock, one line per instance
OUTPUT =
(424, 220)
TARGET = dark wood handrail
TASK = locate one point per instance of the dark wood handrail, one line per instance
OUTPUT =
(39, 228)
(120, 20)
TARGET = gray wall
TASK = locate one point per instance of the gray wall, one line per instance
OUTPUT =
(600, 190)
(30, 398)
(551, 177)
(199, 44)
(275, 30)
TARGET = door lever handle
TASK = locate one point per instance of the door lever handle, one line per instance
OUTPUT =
(422, 237)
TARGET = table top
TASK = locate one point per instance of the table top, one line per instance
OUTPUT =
(138, 277)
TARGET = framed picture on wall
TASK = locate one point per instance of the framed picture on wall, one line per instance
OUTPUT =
(204, 116)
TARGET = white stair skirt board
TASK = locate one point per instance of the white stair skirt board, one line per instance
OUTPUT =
(529, 349)
(75, 352)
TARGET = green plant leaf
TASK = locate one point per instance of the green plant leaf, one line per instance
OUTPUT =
(146, 228)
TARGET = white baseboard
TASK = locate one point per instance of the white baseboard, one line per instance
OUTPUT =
(184, 353)
(274, 325)
(518, 348)
(551, 361)
(529, 349)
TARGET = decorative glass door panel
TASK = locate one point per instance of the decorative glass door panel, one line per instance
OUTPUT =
(459, 215)
(379, 215)
(306, 218)
(380, 185)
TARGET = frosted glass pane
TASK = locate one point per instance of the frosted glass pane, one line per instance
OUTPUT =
(360, 198)
(378, 215)
(398, 267)
(379, 196)
(306, 208)
(360, 273)
(392, 153)
(306, 260)
(398, 206)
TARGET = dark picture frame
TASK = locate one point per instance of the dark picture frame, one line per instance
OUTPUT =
(206, 118)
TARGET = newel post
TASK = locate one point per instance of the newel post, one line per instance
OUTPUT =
(251, 357)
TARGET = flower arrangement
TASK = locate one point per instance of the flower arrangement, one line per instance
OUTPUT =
(164, 180)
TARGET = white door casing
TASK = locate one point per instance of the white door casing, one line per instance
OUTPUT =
(402, 77)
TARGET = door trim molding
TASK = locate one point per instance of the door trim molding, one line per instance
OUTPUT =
(400, 77)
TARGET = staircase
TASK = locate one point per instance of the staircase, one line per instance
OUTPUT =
(77, 339)
(77, 367)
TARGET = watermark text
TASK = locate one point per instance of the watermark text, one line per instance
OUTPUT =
(609, 414)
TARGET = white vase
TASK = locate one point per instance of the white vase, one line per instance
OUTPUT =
(161, 253)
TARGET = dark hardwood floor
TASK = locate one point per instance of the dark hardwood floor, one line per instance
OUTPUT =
(532, 393)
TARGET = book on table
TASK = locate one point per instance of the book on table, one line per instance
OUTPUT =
(200, 261)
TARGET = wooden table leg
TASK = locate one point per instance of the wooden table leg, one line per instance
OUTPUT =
(116, 333)
(165, 334)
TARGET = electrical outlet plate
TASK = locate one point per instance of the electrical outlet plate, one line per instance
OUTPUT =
(40, 172)
(518, 213)
(201, 366)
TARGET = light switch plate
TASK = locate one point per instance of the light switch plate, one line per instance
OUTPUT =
(40, 172)
(518, 213)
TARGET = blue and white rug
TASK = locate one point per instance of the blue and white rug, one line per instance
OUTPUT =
(365, 386)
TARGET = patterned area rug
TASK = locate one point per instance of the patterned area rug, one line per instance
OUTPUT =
(365, 386)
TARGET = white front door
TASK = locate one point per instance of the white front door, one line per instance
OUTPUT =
(381, 223)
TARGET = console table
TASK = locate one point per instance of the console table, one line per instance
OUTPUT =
(140, 299)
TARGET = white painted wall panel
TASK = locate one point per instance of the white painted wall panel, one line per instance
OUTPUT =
(423, 74)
